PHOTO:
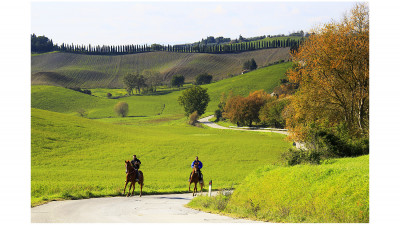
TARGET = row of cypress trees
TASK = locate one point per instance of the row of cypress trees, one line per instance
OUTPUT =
(188, 48)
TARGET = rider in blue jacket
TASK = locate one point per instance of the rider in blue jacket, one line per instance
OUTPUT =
(200, 166)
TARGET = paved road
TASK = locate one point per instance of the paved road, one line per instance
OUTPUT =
(147, 209)
(214, 125)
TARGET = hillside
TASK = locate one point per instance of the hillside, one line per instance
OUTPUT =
(63, 100)
(95, 71)
(334, 192)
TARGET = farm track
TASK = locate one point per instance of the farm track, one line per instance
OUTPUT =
(206, 122)
(167, 208)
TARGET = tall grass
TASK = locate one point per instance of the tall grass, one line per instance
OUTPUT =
(335, 192)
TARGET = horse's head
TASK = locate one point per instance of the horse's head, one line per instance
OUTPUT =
(196, 166)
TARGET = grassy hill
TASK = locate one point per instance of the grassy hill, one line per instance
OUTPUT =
(64, 100)
(73, 157)
(95, 71)
(334, 192)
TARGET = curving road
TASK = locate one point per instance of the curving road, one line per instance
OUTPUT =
(214, 125)
(147, 209)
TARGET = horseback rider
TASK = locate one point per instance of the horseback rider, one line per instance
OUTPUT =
(200, 165)
(136, 164)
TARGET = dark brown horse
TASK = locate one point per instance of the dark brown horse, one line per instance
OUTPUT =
(195, 178)
(131, 177)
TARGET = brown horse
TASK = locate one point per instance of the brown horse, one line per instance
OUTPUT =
(131, 177)
(195, 178)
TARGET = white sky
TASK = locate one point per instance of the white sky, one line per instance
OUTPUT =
(175, 22)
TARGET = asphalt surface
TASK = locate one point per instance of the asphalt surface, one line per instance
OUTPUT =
(146, 209)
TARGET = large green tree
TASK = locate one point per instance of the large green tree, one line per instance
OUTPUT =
(178, 80)
(194, 99)
(134, 81)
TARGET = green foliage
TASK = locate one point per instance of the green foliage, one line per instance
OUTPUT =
(134, 81)
(203, 78)
(336, 141)
(194, 99)
(177, 81)
(41, 44)
(301, 156)
(250, 65)
(271, 113)
(333, 192)
(218, 115)
(121, 109)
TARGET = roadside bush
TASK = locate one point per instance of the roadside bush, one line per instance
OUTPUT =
(121, 108)
(218, 115)
(193, 118)
(301, 156)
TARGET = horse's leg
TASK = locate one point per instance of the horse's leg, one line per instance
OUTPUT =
(195, 188)
(133, 191)
(189, 185)
(141, 187)
(201, 188)
(130, 186)
(141, 184)
(126, 182)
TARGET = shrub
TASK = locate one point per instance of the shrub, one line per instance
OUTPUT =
(218, 115)
(109, 95)
(121, 108)
(301, 156)
(177, 81)
(204, 78)
(82, 112)
(193, 118)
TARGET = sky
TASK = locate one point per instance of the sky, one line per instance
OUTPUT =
(179, 22)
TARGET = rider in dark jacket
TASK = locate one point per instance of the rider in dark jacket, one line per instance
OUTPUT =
(136, 164)
(200, 166)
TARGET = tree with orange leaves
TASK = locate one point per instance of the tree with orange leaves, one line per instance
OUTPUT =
(245, 110)
(332, 70)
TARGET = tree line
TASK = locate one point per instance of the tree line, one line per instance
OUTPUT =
(44, 44)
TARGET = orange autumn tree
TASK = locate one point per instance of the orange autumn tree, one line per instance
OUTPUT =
(245, 110)
(332, 70)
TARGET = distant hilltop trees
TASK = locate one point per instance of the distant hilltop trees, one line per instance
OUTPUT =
(209, 45)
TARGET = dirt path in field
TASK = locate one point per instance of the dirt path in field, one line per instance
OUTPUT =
(206, 122)
(146, 209)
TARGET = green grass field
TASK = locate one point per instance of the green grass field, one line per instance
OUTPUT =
(75, 157)
(335, 192)
(100, 71)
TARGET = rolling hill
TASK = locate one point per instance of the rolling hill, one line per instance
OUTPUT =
(59, 99)
(95, 71)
